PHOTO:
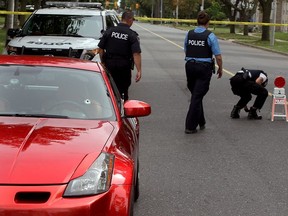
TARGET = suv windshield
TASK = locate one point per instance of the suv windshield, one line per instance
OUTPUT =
(64, 25)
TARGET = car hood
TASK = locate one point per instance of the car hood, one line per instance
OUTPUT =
(55, 42)
(47, 151)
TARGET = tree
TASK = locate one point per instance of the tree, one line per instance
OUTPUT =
(266, 6)
(230, 9)
(244, 8)
(10, 17)
(37, 4)
(247, 9)
(215, 11)
(188, 9)
(22, 18)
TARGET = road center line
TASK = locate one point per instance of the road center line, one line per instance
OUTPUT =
(160, 36)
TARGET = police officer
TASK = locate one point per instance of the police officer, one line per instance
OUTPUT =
(247, 82)
(200, 45)
(119, 50)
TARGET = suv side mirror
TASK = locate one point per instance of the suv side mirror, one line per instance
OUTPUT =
(13, 32)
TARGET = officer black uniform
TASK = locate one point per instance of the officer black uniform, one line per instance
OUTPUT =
(244, 83)
(202, 73)
(200, 45)
(120, 44)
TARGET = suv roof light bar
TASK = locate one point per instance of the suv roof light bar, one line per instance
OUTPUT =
(74, 4)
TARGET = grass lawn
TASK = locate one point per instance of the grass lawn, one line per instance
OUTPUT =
(280, 45)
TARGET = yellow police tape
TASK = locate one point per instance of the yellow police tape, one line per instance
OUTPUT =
(15, 12)
(211, 21)
(175, 20)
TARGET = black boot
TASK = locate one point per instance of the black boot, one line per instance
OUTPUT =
(235, 112)
(253, 114)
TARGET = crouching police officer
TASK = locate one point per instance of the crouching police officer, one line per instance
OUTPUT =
(247, 82)
(119, 50)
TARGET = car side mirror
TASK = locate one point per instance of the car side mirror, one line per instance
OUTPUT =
(136, 108)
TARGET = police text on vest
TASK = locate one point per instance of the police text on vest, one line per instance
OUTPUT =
(120, 36)
(196, 42)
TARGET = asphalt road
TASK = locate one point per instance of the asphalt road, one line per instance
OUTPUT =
(233, 167)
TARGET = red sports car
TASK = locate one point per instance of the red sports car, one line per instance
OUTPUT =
(68, 142)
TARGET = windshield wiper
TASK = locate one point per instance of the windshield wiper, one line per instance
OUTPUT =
(34, 115)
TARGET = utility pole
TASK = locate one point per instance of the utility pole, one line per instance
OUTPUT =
(152, 9)
(274, 8)
(177, 9)
(10, 17)
(161, 10)
(202, 5)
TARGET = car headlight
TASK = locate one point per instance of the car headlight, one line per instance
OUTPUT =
(96, 180)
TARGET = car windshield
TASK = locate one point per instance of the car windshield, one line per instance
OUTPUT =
(64, 25)
(53, 92)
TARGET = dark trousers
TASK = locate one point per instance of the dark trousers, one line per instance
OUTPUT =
(245, 88)
(198, 82)
(120, 70)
